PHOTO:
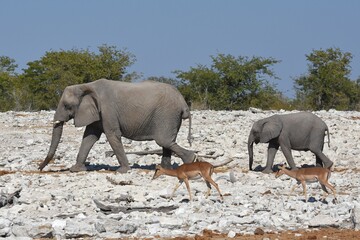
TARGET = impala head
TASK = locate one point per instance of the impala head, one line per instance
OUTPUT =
(158, 172)
(281, 170)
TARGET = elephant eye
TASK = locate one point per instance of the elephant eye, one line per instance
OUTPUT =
(67, 106)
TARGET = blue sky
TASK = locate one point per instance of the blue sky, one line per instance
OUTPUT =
(168, 35)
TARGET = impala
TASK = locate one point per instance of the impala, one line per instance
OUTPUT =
(312, 174)
(189, 171)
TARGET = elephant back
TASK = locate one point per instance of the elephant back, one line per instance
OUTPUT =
(173, 97)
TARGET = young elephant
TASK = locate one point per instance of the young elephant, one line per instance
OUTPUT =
(301, 131)
(138, 111)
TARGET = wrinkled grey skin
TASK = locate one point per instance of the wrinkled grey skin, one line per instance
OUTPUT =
(301, 131)
(138, 111)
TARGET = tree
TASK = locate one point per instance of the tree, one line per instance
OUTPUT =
(354, 95)
(7, 82)
(45, 79)
(229, 83)
(167, 80)
(327, 84)
(7, 65)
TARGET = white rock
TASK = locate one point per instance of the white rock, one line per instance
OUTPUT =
(78, 228)
(355, 217)
(170, 223)
(41, 231)
(231, 234)
(65, 199)
(4, 227)
(322, 221)
(58, 224)
(127, 228)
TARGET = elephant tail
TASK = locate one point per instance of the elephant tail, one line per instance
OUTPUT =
(328, 134)
(187, 115)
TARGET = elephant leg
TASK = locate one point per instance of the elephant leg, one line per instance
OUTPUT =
(322, 160)
(186, 155)
(117, 146)
(166, 158)
(272, 149)
(319, 162)
(289, 158)
(91, 135)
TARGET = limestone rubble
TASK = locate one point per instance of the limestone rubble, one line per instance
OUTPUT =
(101, 203)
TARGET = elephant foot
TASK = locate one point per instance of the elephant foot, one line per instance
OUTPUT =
(123, 169)
(267, 170)
(78, 168)
(190, 158)
(329, 165)
(166, 164)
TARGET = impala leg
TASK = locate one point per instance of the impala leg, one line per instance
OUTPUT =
(326, 193)
(209, 189)
(188, 187)
(176, 187)
(292, 189)
(304, 189)
(209, 179)
(332, 189)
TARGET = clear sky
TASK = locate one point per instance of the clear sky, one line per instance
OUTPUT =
(168, 35)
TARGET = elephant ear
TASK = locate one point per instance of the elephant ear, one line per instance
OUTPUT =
(271, 129)
(88, 111)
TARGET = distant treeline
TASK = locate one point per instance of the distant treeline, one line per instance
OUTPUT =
(229, 83)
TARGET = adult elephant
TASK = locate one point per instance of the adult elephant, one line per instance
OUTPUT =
(138, 111)
(301, 131)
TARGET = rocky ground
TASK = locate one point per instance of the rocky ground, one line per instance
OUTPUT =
(101, 203)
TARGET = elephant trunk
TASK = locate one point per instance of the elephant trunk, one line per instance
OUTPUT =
(251, 152)
(56, 136)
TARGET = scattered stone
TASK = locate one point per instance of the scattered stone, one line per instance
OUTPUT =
(127, 228)
(231, 234)
(4, 227)
(259, 231)
(6, 199)
(109, 209)
(121, 183)
(355, 217)
(170, 223)
(100, 227)
(232, 176)
(58, 204)
(323, 221)
(255, 110)
(41, 231)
